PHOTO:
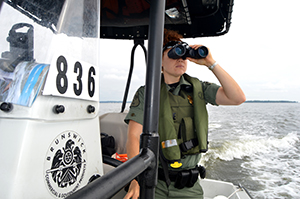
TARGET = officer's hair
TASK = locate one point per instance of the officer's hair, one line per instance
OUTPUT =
(171, 35)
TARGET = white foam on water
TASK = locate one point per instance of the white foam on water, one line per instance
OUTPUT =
(274, 162)
(213, 126)
(288, 190)
(251, 145)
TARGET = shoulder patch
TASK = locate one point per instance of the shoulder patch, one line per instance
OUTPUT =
(136, 100)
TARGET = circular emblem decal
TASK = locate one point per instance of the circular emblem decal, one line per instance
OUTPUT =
(65, 164)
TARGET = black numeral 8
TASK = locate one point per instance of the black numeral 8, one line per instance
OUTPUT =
(62, 67)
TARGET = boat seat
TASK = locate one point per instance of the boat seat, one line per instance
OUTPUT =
(113, 124)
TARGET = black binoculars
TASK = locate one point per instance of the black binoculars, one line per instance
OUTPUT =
(183, 50)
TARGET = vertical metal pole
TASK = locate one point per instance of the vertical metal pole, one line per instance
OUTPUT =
(150, 137)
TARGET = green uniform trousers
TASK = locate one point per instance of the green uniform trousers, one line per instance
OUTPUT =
(163, 192)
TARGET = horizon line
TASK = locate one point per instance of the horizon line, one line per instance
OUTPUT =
(247, 101)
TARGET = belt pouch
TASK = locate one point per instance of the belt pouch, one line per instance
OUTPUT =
(182, 179)
(194, 173)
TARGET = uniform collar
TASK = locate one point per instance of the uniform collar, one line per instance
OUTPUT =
(182, 81)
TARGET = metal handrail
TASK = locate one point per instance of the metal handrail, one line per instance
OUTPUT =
(136, 44)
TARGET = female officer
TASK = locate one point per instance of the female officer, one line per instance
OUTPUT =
(183, 121)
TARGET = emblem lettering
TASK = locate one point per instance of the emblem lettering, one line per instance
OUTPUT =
(65, 164)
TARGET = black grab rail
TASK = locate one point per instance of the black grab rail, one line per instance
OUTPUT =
(109, 184)
(136, 44)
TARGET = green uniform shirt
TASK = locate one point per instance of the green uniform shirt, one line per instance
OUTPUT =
(136, 112)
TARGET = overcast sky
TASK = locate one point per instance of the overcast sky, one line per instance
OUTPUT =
(261, 51)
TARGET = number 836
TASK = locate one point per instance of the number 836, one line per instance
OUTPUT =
(62, 79)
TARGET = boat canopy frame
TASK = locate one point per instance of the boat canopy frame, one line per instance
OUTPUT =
(122, 19)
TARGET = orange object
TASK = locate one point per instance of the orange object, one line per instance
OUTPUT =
(120, 157)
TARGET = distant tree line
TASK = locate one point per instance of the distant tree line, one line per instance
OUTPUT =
(270, 101)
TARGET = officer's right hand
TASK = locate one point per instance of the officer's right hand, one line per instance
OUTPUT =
(133, 191)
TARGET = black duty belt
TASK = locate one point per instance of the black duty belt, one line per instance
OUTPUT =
(183, 178)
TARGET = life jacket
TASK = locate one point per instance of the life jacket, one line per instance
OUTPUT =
(184, 126)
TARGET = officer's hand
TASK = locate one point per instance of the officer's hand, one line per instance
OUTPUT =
(133, 191)
(207, 61)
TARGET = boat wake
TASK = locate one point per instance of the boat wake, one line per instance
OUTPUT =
(250, 146)
(266, 159)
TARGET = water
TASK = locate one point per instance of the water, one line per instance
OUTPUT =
(255, 144)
